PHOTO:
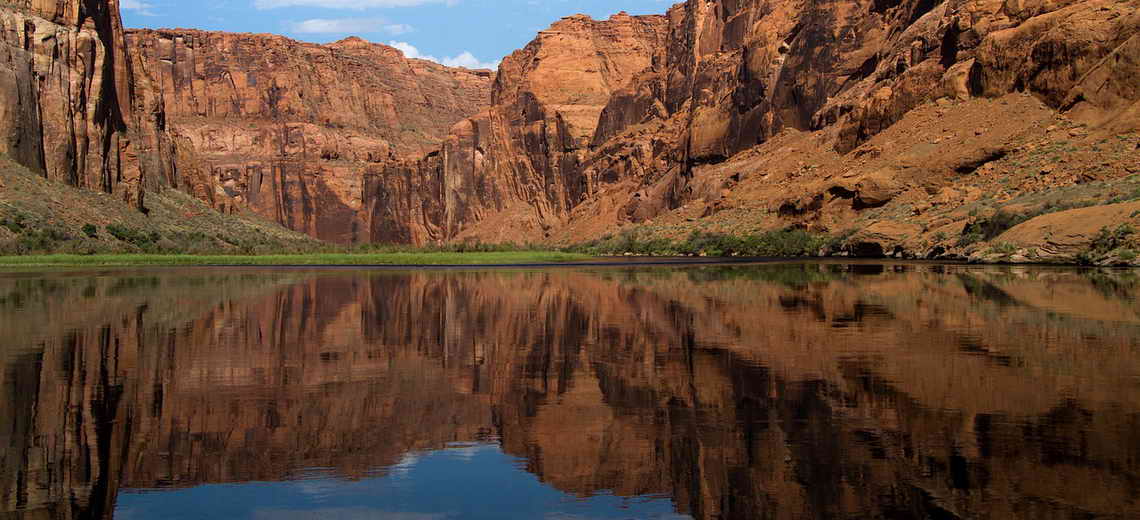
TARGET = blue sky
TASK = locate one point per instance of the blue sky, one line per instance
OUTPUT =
(469, 33)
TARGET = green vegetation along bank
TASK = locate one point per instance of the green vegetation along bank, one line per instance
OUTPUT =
(46, 223)
(315, 259)
(39, 216)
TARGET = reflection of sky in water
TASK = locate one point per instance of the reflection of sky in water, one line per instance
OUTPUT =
(469, 481)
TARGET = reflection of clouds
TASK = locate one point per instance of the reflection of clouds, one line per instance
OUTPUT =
(316, 488)
(357, 513)
(467, 452)
(568, 516)
(320, 483)
(406, 465)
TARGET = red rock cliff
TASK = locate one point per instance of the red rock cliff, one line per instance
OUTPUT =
(726, 77)
(68, 102)
(738, 73)
(290, 129)
(797, 113)
(516, 165)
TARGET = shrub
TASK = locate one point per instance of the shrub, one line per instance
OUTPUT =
(969, 238)
(15, 223)
(136, 237)
(90, 230)
(1004, 248)
(1133, 195)
(780, 243)
(41, 240)
(1106, 241)
(837, 242)
(993, 227)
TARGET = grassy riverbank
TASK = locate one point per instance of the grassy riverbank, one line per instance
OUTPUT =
(783, 243)
(45, 217)
(45, 223)
(409, 258)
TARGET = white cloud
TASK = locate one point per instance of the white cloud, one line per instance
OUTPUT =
(468, 60)
(397, 29)
(464, 59)
(348, 25)
(346, 4)
(137, 5)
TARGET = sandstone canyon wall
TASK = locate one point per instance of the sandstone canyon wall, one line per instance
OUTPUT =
(291, 129)
(517, 165)
(70, 105)
(738, 74)
(722, 80)
(259, 122)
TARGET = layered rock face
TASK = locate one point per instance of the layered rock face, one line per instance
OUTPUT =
(737, 74)
(724, 79)
(290, 129)
(68, 104)
(286, 129)
(740, 115)
(517, 165)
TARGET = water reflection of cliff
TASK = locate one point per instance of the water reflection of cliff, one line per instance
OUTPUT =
(765, 392)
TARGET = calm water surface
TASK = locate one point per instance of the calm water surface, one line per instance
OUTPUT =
(784, 391)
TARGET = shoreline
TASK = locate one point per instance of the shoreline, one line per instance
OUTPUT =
(292, 260)
(444, 261)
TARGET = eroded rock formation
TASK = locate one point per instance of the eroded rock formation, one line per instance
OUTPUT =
(517, 165)
(737, 74)
(291, 129)
(727, 78)
(69, 104)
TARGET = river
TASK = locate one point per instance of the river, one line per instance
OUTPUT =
(776, 390)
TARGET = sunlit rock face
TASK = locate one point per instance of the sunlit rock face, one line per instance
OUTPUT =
(743, 82)
(515, 166)
(778, 391)
(244, 122)
(792, 113)
(70, 106)
(736, 74)
(291, 129)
